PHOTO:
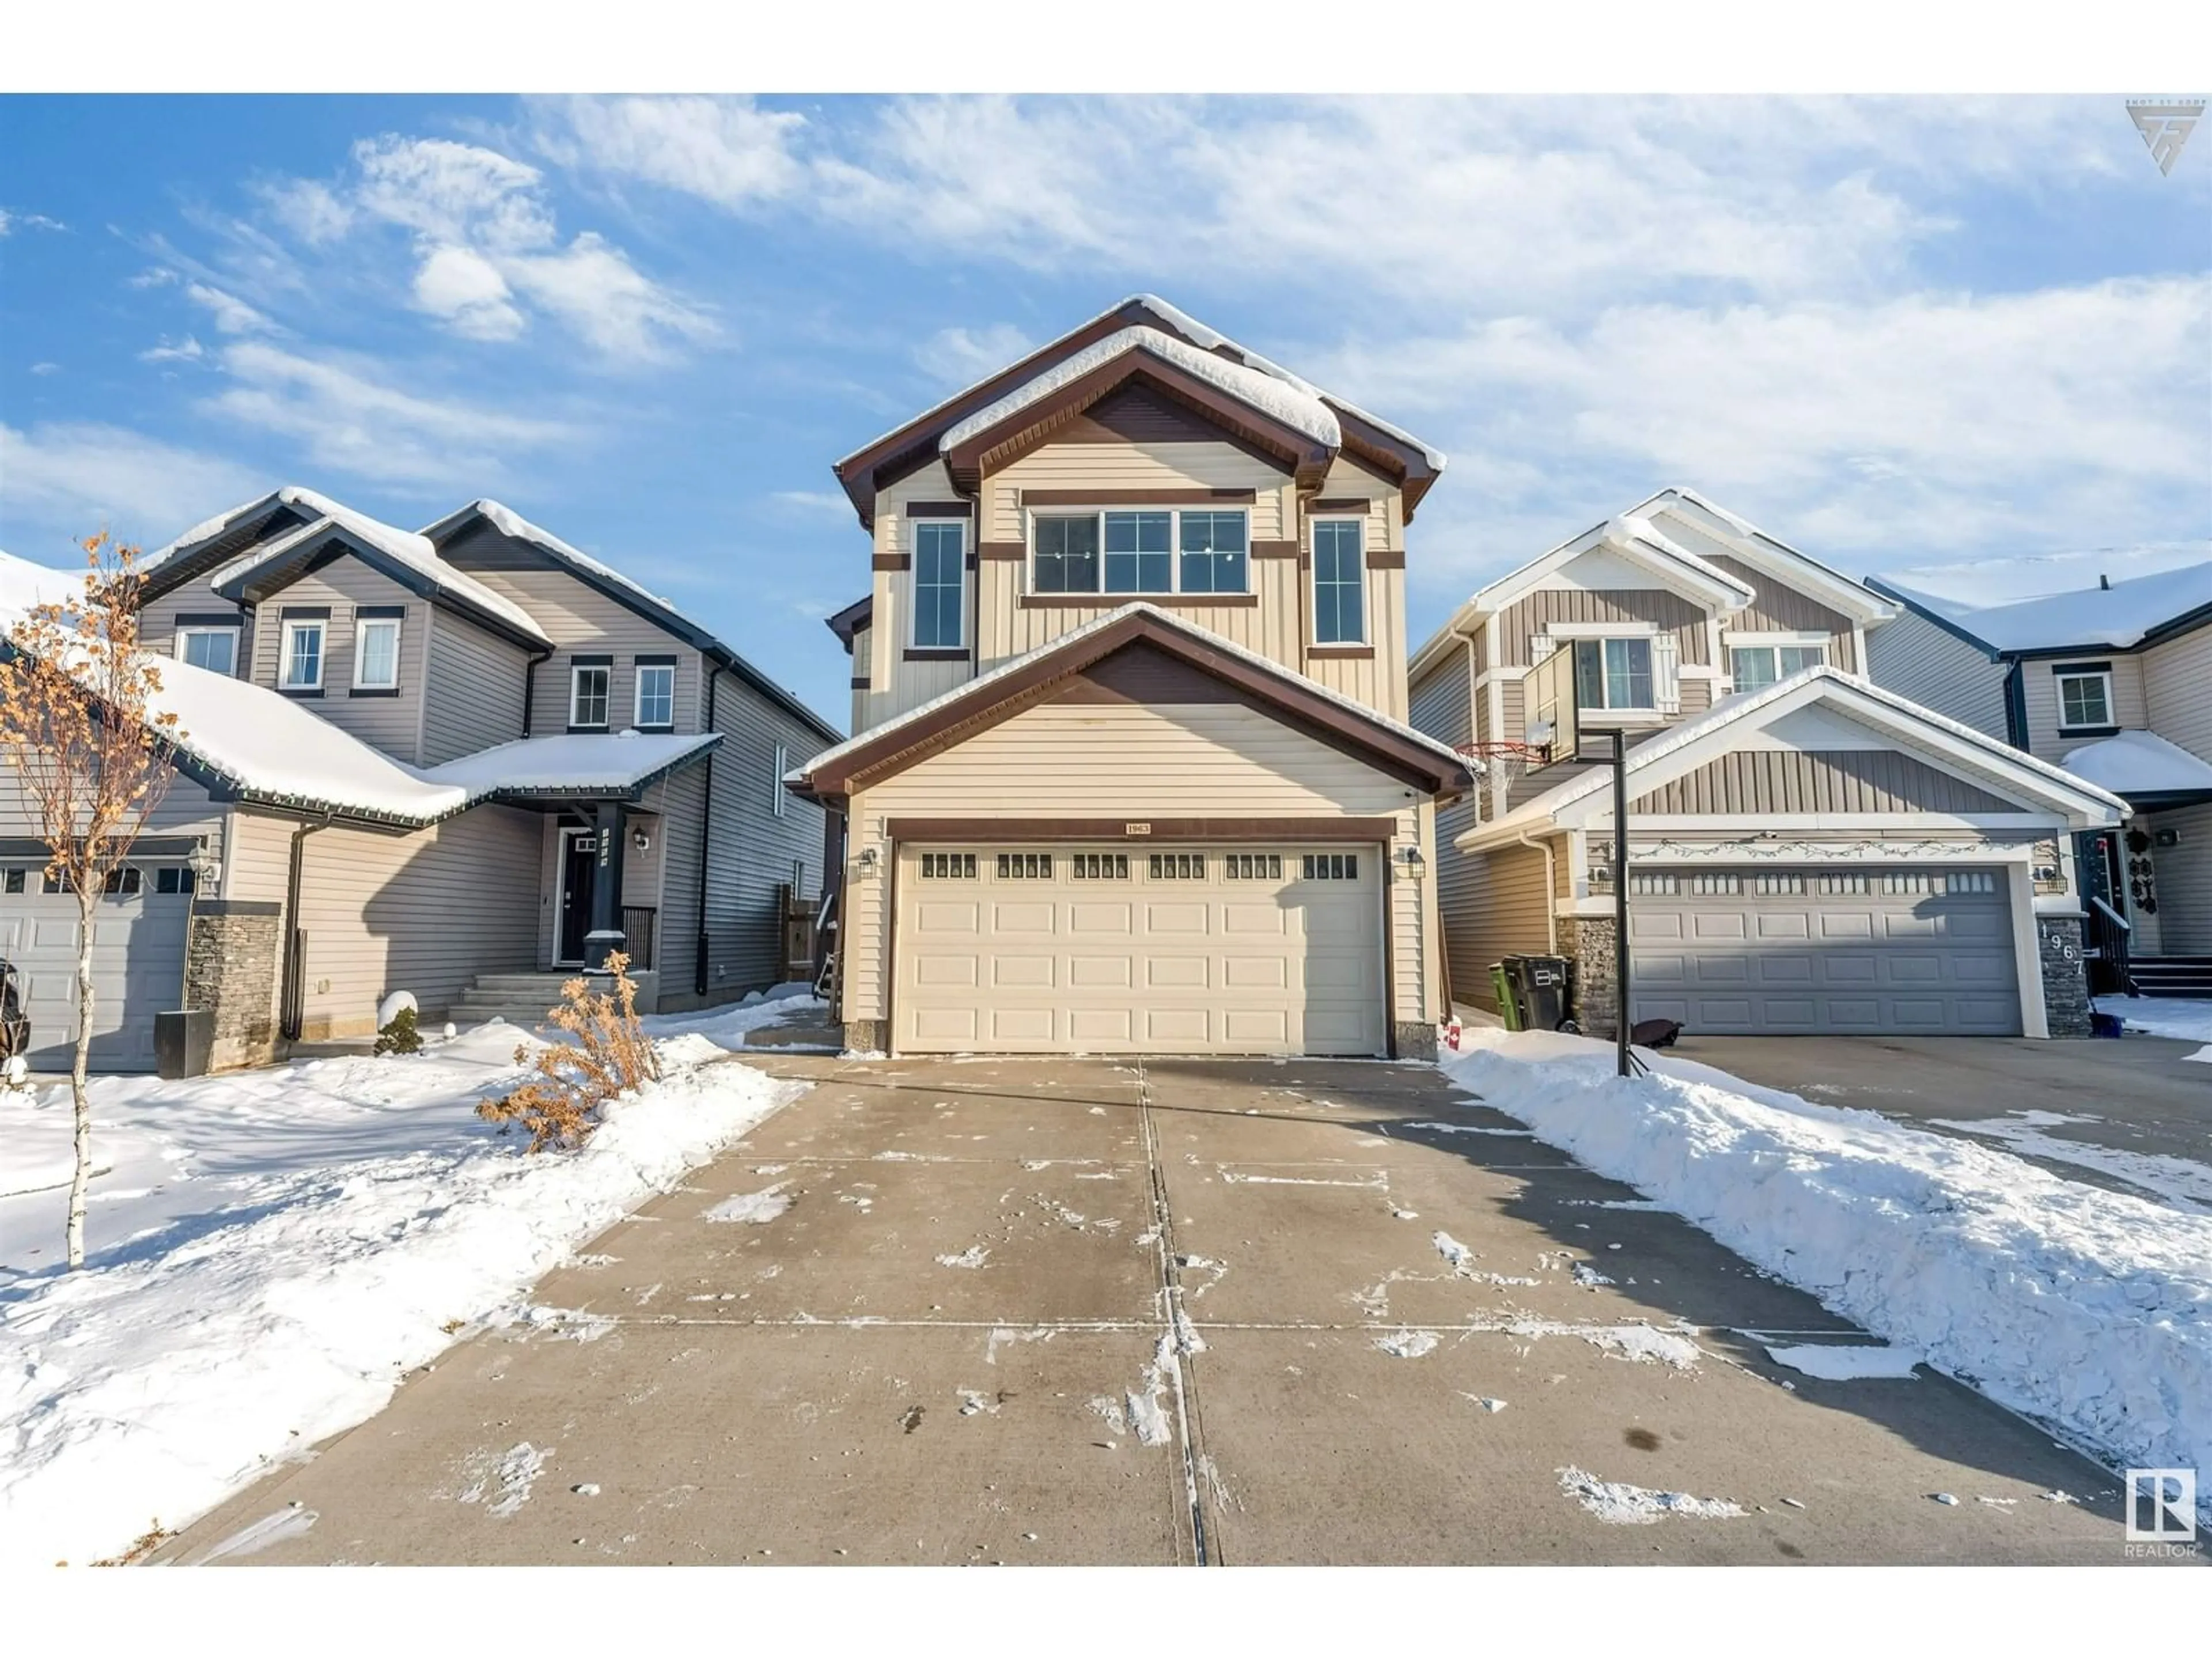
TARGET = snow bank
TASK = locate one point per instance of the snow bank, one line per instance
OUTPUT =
(2088, 1310)
(272, 1296)
(2186, 1018)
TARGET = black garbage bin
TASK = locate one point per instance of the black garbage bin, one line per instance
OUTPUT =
(184, 1042)
(1540, 986)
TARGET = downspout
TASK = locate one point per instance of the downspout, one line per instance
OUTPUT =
(706, 839)
(292, 1014)
(530, 685)
(1551, 891)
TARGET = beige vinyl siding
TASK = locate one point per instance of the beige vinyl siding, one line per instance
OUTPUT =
(863, 650)
(1782, 609)
(1914, 658)
(472, 690)
(1533, 613)
(2184, 874)
(1760, 781)
(424, 913)
(2177, 697)
(157, 621)
(2039, 695)
(257, 862)
(1499, 906)
(1127, 762)
(1379, 682)
(389, 723)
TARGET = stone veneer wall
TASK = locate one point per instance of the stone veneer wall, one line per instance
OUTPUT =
(2065, 975)
(1589, 941)
(232, 957)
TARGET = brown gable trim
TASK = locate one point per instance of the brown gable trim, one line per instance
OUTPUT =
(1341, 504)
(1335, 831)
(891, 562)
(1280, 693)
(1133, 497)
(1342, 652)
(939, 509)
(1108, 601)
(1145, 676)
(936, 653)
(1013, 552)
(1274, 550)
(1386, 558)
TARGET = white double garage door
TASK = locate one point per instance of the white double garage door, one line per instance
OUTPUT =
(1268, 949)
(1788, 953)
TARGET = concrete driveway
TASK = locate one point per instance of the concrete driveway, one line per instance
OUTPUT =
(2133, 1115)
(1159, 1312)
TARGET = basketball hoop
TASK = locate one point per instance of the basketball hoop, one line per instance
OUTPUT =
(1506, 763)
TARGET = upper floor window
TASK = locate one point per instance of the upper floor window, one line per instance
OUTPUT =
(2085, 696)
(1339, 582)
(656, 695)
(376, 654)
(302, 669)
(1140, 551)
(1756, 665)
(940, 558)
(215, 649)
(1613, 674)
(588, 685)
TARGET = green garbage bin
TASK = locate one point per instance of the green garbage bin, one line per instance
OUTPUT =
(1508, 1008)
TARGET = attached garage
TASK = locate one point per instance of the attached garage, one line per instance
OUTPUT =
(1781, 952)
(138, 962)
(1182, 949)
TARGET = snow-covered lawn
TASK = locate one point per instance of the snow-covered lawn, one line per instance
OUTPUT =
(2170, 1017)
(268, 1252)
(2087, 1310)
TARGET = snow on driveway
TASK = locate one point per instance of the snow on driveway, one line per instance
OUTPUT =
(2089, 1309)
(2168, 1017)
(268, 1252)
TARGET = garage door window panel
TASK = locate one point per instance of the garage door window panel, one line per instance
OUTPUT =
(948, 867)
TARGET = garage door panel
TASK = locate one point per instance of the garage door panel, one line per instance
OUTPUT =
(1255, 973)
(1268, 918)
(946, 916)
(1178, 973)
(1270, 1028)
(137, 970)
(1187, 917)
(1100, 921)
(933, 968)
(1923, 951)
(1177, 1028)
(1340, 976)
(1099, 973)
(1020, 1026)
(1024, 916)
(1010, 971)
(1105, 1027)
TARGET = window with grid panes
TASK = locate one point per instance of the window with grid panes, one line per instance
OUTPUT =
(1178, 866)
(1025, 867)
(1332, 867)
(1253, 866)
(1099, 866)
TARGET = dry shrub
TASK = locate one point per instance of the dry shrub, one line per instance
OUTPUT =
(607, 1052)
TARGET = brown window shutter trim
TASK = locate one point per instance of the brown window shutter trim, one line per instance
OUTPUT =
(940, 509)
(891, 562)
(936, 653)
(1341, 504)
(1135, 498)
(1109, 601)
(1010, 551)
(1335, 830)
(1386, 558)
(1274, 550)
(1342, 652)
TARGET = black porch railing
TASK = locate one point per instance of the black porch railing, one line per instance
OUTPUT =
(2108, 932)
(638, 922)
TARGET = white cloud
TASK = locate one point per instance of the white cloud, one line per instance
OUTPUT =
(309, 209)
(592, 287)
(828, 503)
(347, 417)
(232, 315)
(45, 368)
(10, 222)
(465, 289)
(186, 350)
(73, 478)
(961, 357)
(153, 276)
(725, 150)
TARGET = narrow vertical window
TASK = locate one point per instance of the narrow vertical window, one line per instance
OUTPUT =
(656, 696)
(302, 669)
(376, 656)
(939, 583)
(777, 795)
(587, 695)
(1340, 586)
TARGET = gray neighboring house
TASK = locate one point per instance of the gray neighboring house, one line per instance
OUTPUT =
(2114, 684)
(462, 762)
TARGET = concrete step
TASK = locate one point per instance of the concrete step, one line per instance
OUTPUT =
(528, 984)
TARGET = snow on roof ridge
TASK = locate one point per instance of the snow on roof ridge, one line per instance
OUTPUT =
(289, 494)
(2117, 614)
(1751, 533)
(571, 760)
(1205, 635)
(1294, 405)
(2142, 761)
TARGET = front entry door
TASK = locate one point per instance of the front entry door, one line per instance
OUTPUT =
(579, 859)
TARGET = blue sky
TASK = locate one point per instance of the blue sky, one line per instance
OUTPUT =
(1892, 332)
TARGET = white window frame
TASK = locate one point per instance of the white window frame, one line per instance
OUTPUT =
(361, 628)
(1313, 580)
(777, 796)
(1649, 641)
(1174, 588)
(913, 586)
(2059, 679)
(637, 696)
(292, 627)
(1774, 644)
(197, 630)
(576, 671)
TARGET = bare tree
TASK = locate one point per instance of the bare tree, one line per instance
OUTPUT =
(93, 759)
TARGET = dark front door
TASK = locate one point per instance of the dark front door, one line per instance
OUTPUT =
(579, 860)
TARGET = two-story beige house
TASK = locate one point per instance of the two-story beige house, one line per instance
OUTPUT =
(1131, 770)
(2114, 683)
(1806, 852)
(461, 762)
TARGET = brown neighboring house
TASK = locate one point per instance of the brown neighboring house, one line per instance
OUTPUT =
(1131, 771)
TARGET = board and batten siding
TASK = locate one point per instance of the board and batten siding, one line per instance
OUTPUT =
(2176, 678)
(1914, 658)
(1782, 609)
(2039, 686)
(473, 690)
(1533, 614)
(1127, 761)
(1801, 780)
(1499, 906)
(2184, 874)
(392, 724)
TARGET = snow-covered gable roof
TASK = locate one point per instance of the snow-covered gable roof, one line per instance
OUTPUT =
(1981, 583)
(23, 585)
(2138, 763)
(829, 758)
(2118, 616)
(311, 502)
(1821, 680)
(1279, 400)
(575, 763)
(1769, 555)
